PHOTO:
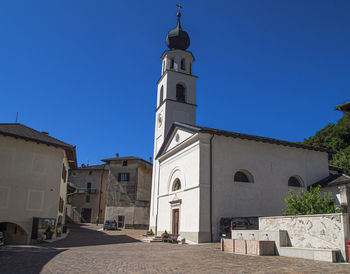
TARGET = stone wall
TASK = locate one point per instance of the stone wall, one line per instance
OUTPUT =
(311, 231)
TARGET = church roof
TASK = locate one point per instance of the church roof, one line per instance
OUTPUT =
(128, 158)
(92, 167)
(18, 130)
(200, 129)
(333, 180)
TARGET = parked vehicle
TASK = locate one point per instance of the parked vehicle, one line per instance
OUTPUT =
(225, 228)
(110, 225)
(2, 238)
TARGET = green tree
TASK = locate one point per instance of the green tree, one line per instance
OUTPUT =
(309, 202)
(335, 137)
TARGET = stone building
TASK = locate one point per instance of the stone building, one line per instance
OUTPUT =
(33, 182)
(202, 174)
(128, 191)
(88, 199)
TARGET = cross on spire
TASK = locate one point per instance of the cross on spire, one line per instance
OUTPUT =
(178, 7)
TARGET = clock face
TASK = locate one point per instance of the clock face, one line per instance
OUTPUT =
(160, 119)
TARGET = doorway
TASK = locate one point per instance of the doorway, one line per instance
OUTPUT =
(13, 234)
(85, 215)
(176, 221)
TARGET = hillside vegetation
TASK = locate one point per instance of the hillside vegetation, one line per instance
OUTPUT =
(335, 137)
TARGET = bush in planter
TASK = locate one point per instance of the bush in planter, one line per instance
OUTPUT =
(48, 233)
(150, 233)
(310, 202)
(165, 235)
(58, 232)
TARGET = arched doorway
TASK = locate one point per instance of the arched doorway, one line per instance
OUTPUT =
(13, 234)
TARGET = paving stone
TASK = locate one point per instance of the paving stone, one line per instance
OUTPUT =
(88, 250)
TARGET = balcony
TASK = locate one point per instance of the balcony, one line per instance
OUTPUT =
(87, 190)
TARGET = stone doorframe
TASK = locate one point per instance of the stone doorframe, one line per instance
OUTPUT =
(175, 204)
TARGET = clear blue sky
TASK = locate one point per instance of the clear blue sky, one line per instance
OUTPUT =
(86, 71)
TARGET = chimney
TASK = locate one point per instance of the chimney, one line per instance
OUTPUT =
(82, 165)
(150, 160)
(117, 155)
(45, 132)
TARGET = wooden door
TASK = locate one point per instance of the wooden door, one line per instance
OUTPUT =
(176, 221)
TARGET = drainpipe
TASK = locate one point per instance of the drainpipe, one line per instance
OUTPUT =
(211, 188)
(99, 201)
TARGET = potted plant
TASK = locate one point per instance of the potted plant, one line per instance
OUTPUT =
(150, 233)
(165, 236)
(58, 232)
(48, 233)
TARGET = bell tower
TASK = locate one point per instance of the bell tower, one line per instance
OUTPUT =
(176, 98)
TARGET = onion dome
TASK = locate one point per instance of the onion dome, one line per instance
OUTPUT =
(178, 38)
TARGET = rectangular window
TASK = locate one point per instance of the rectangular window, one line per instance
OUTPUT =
(121, 221)
(61, 203)
(124, 177)
(87, 199)
(172, 63)
(64, 173)
(122, 197)
(125, 163)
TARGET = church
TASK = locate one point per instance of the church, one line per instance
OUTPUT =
(202, 174)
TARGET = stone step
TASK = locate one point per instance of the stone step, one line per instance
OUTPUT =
(328, 255)
(156, 240)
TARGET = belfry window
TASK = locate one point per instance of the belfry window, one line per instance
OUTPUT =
(161, 95)
(183, 67)
(180, 93)
(172, 62)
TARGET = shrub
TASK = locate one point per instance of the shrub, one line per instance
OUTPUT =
(150, 233)
(309, 202)
(165, 235)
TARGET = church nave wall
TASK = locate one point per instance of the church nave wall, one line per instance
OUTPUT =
(270, 165)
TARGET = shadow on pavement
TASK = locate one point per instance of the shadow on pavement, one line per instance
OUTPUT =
(26, 259)
(82, 236)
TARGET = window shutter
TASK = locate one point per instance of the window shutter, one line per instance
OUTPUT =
(119, 177)
(127, 176)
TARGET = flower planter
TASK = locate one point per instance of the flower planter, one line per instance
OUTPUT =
(228, 245)
(240, 246)
(261, 248)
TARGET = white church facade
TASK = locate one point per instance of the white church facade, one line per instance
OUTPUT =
(202, 174)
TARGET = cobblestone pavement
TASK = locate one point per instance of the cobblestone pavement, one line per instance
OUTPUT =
(88, 250)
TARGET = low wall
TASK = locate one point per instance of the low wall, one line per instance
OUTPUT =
(312, 231)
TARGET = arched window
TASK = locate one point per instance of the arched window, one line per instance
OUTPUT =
(295, 181)
(243, 176)
(177, 185)
(183, 67)
(180, 93)
(161, 94)
(172, 62)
